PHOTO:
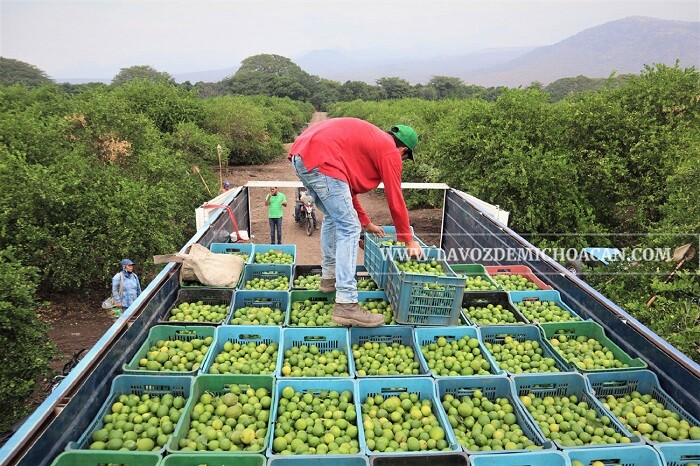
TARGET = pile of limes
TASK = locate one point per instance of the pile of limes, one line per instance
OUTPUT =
(310, 361)
(491, 314)
(315, 422)
(248, 358)
(308, 282)
(143, 423)
(514, 282)
(421, 267)
(381, 358)
(273, 256)
(481, 424)
(544, 311)
(198, 312)
(261, 283)
(517, 357)
(390, 242)
(455, 357)
(309, 313)
(479, 283)
(243, 255)
(176, 355)
(379, 306)
(586, 353)
(366, 284)
(253, 315)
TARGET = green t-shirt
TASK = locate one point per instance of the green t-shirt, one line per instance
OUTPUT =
(275, 208)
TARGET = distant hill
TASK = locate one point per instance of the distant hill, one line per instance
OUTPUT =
(624, 45)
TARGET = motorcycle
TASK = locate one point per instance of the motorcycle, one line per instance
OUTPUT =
(305, 219)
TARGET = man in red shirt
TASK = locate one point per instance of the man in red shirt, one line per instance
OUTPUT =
(336, 160)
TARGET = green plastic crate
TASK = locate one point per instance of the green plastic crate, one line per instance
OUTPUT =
(314, 297)
(474, 270)
(100, 458)
(276, 300)
(213, 459)
(591, 330)
(243, 334)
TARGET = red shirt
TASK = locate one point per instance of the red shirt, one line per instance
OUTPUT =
(362, 155)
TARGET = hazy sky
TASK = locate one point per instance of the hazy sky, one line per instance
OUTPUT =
(101, 36)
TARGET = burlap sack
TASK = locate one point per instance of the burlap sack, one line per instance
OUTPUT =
(208, 268)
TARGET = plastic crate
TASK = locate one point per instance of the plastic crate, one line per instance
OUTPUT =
(323, 460)
(260, 298)
(218, 385)
(591, 330)
(492, 388)
(498, 333)
(678, 453)
(284, 248)
(483, 299)
(243, 334)
(523, 270)
(474, 270)
(415, 304)
(325, 339)
(136, 385)
(364, 296)
(631, 455)
(169, 333)
(518, 297)
(393, 386)
(376, 257)
(234, 248)
(426, 335)
(207, 295)
(102, 457)
(315, 386)
(622, 383)
(314, 297)
(388, 334)
(566, 384)
(214, 459)
(532, 458)
(431, 459)
(266, 272)
(305, 271)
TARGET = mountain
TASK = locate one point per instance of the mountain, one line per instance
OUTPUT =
(624, 46)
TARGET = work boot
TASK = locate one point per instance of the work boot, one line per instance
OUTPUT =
(327, 285)
(353, 314)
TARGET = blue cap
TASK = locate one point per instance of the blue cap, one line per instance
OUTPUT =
(227, 184)
(126, 262)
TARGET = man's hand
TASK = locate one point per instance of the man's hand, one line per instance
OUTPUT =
(375, 230)
(413, 249)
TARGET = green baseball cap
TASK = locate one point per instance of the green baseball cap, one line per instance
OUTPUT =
(407, 135)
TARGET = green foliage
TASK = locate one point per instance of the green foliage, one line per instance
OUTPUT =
(139, 72)
(27, 350)
(18, 72)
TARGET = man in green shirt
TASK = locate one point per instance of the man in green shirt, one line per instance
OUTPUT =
(275, 201)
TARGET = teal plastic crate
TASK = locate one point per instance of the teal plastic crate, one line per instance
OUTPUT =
(234, 248)
(566, 384)
(591, 330)
(620, 383)
(631, 455)
(377, 257)
(426, 459)
(266, 272)
(324, 460)
(318, 387)
(415, 300)
(214, 459)
(100, 458)
(427, 335)
(325, 339)
(521, 298)
(492, 388)
(533, 458)
(523, 270)
(136, 385)
(483, 299)
(284, 248)
(218, 385)
(388, 334)
(244, 334)
(520, 333)
(475, 271)
(207, 295)
(394, 386)
(314, 297)
(169, 333)
(678, 453)
(275, 300)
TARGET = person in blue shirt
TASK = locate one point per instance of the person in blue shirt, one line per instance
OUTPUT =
(125, 286)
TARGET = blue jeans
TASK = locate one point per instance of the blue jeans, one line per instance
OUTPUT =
(276, 226)
(340, 230)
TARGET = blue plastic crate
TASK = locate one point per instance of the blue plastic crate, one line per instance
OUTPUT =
(214, 459)
(136, 385)
(394, 386)
(266, 272)
(678, 453)
(532, 458)
(313, 297)
(243, 334)
(284, 248)
(388, 334)
(234, 248)
(416, 303)
(218, 385)
(324, 460)
(519, 297)
(169, 333)
(207, 295)
(376, 257)
(102, 457)
(318, 387)
(498, 333)
(566, 384)
(483, 299)
(492, 388)
(620, 383)
(276, 300)
(630, 455)
(325, 339)
(427, 335)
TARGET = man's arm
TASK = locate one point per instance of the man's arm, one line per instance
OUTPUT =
(284, 200)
